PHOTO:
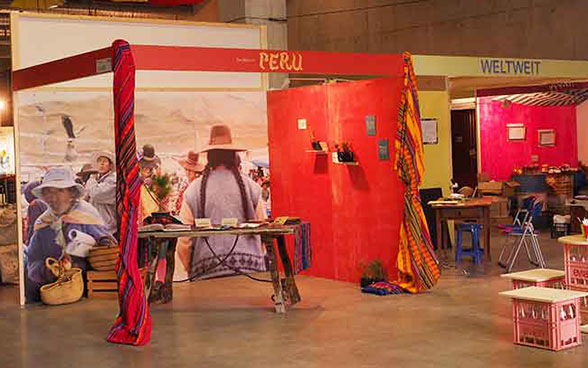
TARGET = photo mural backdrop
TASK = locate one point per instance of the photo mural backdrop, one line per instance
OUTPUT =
(67, 130)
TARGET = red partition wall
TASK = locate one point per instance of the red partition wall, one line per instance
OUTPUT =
(300, 181)
(355, 211)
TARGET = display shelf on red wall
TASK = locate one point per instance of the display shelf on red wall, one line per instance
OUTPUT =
(318, 152)
(354, 163)
(362, 202)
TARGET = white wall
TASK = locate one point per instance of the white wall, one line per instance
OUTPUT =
(582, 126)
(41, 38)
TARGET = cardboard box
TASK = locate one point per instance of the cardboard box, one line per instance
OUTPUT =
(490, 187)
(499, 207)
(509, 188)
(498, 188)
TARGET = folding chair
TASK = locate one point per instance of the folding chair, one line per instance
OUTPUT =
(521, 214)
(525, 235)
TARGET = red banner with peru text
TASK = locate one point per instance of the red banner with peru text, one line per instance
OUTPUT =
(265, 61)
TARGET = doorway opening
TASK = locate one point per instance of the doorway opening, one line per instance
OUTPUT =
(464, 148)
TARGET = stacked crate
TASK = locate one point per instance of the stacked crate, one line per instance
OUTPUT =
(546, 318)
(576, 268)
(542, 277)
(104, 284)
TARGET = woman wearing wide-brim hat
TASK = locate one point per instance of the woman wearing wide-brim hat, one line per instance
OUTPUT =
(67, 217)
(222, 192)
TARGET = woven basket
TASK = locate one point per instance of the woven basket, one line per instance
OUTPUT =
(68, 288)
(103, 258)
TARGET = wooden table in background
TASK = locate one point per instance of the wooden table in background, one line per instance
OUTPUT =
(285, 291)
(477, 209)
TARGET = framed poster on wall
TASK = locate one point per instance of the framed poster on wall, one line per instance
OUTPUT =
(516, 132)
(546, 137)
(429, 128)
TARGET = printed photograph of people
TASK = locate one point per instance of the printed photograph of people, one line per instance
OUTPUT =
(68, 175)
(66, 231)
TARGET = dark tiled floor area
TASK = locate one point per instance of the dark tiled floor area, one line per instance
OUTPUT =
(230, 323)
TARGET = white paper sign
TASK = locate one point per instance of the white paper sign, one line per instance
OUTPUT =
(202, 222)
(301, 124)
(103, 65)
(230, 221)
(429, 130)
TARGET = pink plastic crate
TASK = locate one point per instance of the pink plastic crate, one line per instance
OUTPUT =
(576, 265)
(540, 277)
(577, 276)
(558, 283)
(583, 304)
(553, 326)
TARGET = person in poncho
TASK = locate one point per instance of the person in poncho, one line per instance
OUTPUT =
(64, 231)
(149, 165)
(101, 189)
(222, 192)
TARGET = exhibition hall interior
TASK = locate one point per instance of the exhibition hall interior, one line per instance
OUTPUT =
(293, 183)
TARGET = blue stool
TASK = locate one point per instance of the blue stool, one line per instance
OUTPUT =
(476, 252)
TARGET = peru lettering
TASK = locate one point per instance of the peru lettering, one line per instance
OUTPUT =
(284, 61)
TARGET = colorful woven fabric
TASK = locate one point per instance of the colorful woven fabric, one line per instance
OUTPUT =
(302, 248)
(418, 267)
(133, 324)
(383, 288)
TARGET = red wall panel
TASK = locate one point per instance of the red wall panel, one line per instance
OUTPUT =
(300, 182)
(355, 211)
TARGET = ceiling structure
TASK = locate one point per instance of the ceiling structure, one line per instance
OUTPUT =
(521, 90)
(464, 87)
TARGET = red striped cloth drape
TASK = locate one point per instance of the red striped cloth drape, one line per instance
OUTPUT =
(133, 324)
(418, 267)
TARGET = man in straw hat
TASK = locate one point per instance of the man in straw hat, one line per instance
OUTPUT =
(222, 192)
(58, 230)
(101, 189)
(193, 169)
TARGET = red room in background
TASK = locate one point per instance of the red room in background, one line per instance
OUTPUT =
(354, 211)
(499, 156)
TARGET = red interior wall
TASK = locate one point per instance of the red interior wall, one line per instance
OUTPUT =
(500, 157)
(355, 211)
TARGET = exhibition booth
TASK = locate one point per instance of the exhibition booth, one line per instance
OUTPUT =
(361, 167)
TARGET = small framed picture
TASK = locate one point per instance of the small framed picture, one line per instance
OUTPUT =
(516, 132)
(546, 137)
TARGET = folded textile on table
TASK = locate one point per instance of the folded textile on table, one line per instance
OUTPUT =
(383, 288)
(302, 248)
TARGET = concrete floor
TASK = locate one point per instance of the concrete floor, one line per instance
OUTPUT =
(462, 322)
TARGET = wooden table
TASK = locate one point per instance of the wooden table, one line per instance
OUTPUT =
(477, 209)
(285, 290)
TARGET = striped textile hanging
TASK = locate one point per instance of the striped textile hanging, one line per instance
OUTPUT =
(418, 267)
(133, 324)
